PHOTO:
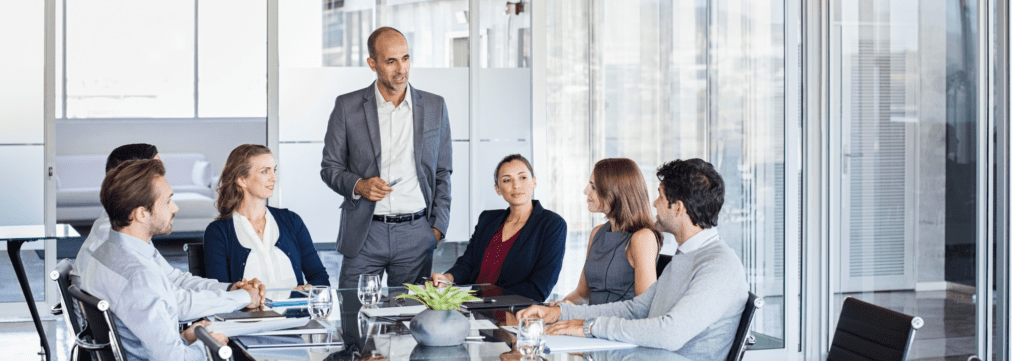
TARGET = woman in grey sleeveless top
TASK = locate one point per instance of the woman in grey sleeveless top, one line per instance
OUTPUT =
(623, 252)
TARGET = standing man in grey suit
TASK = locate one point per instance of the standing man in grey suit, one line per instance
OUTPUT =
(388, 151)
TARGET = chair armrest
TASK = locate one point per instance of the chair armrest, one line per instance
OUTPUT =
(216, 350)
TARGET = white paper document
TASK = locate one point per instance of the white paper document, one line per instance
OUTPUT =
(393, 311)
(460, 288)
(232, 329)
(473, 325)
(562, 343)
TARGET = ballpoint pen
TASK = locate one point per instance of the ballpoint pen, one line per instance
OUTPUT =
(428, 279)
(392, 183)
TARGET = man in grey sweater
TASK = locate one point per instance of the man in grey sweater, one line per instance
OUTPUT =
(695, 306)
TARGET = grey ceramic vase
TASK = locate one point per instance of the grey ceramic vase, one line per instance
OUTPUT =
(439, 328)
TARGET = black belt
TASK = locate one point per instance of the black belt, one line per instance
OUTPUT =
(399, 218)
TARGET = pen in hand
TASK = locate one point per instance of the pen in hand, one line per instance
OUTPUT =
(428, 279)
(392, 183)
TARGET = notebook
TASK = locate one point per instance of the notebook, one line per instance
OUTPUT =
(248, 316)
(505, 301)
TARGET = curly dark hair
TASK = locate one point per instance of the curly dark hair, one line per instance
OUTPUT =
(697, 184)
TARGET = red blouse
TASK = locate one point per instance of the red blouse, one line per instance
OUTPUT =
(494, 257)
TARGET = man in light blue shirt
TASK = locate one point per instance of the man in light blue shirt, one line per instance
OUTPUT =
(196, 296)
(128, 272)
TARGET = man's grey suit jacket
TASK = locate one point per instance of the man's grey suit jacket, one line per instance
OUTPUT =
(352, 152)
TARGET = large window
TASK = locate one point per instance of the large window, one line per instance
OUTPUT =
(162, 59)
(654, 81)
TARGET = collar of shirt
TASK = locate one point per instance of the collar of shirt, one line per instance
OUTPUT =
(381, 103)
(132, 243)
(698, 240)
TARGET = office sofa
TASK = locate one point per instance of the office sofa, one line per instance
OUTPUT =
(79, 178)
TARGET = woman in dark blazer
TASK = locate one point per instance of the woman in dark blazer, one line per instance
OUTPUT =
(519, 248)
(251, 240)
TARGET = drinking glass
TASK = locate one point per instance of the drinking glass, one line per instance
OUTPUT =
(369, 289)
(321, 300)
(531, 337)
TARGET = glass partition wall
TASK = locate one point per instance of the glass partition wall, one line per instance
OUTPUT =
(654, 81)
(904, 99)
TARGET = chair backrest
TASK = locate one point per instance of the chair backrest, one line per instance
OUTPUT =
(663, 260)
(196, 259)
(869, 332)
(62, 275)
(100, 324)
(743, 337)
(214, 350)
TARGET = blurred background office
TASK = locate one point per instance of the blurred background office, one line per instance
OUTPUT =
(860, 140)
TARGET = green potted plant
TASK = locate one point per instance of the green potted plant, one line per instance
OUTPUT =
(440, 324)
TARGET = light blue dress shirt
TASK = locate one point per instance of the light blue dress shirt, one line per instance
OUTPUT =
(127, 272)
(197, 296)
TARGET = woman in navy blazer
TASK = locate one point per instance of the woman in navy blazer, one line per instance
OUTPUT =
(519, 248)
(278, 237)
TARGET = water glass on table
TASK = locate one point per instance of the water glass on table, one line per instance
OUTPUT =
(321, 300)
(530, 340)
(369, 289)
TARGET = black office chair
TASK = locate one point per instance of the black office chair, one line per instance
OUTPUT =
(100, 324)
(214, 350)
(869, 332)
(663, 260)
(196, 259)
(62, 275)
(743, 337)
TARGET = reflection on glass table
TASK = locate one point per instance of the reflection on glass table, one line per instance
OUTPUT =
(355, 335)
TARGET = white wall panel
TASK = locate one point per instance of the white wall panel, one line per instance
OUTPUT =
(301, 190)
(300, 24)
(505, 104)
(21, 198)
(308, 94)
(21, 73)
(458, 224)
(490, 154)
(307, 98)
(453, 85)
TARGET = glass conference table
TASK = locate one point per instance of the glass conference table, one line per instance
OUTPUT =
(15, 236)
(352, 335)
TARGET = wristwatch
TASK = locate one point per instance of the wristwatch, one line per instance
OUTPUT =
(587, 325)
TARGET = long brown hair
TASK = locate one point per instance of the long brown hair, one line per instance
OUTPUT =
(229, 193)
(620, 185)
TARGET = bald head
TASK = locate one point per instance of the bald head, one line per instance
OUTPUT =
(386, 31)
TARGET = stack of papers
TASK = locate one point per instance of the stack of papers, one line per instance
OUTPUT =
(394, 311)
(232, 329)
(460, 288)
(473, 325)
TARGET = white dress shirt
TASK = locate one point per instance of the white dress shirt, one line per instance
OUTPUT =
(196, 296)
(266, 262)
(396, 157)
